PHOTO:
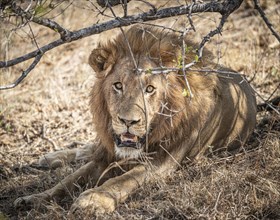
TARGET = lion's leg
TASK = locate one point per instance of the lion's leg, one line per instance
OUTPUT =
(58, 158)
(89, 172)
(106, 197)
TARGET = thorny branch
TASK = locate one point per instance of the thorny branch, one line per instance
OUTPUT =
(267, 22)
(205, 39)
(41, 21)
(24, 73)
(225, 8)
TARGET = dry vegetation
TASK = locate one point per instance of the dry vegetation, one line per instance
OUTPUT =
(50, 110)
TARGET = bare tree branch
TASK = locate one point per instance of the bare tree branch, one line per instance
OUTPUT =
(41, 21)
(24, 73)
(211, 34)
(267, 22)
(270, 105)
(187, 66)
(218, 7)
(225, 8)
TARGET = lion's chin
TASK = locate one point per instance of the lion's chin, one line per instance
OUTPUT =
(127, 152)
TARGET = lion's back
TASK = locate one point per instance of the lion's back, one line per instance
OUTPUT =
(235, 111)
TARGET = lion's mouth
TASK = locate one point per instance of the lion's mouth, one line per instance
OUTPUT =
(129, 140)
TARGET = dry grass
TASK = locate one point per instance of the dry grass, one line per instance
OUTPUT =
(50, 110)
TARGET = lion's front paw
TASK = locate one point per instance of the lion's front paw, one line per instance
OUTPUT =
(92, 202)
(27, 202)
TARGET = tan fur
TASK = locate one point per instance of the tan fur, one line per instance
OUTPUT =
(220, 115)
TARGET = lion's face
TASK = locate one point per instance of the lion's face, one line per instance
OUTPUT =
(134, 101)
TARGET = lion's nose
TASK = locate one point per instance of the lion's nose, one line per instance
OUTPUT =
(129, 122)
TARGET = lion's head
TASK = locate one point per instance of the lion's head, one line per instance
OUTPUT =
(133, 109)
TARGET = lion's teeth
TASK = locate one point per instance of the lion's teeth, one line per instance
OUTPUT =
(132, 138)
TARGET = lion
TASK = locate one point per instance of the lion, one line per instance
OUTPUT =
(149, 116)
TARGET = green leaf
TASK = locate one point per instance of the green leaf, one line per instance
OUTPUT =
(196, 58)
(188, 49)
(180, 62)
(148, 71)
(274, 71)
(40, 9)
(185, 93)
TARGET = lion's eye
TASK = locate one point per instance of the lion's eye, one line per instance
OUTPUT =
(118, 86)
(150, 89)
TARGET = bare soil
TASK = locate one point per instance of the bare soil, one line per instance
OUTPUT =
(49, 110)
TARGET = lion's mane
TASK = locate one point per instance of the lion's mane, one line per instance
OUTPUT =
(192, 114)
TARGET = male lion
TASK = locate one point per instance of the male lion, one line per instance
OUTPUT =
(151, 117)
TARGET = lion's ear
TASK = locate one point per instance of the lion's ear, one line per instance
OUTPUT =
(98, 60)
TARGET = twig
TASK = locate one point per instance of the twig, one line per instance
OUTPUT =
(217, 201)
(162, 26)
(270, 105)
(267, 105)
(184, 66)
(116, 164)
(149, 4)
(267, 22)
(48, 139)
(33, 35)
(24, 73)
(274, 91)
(169, 154)
(190, 15)
(211, 34)
(125, 8)
(64, 33)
